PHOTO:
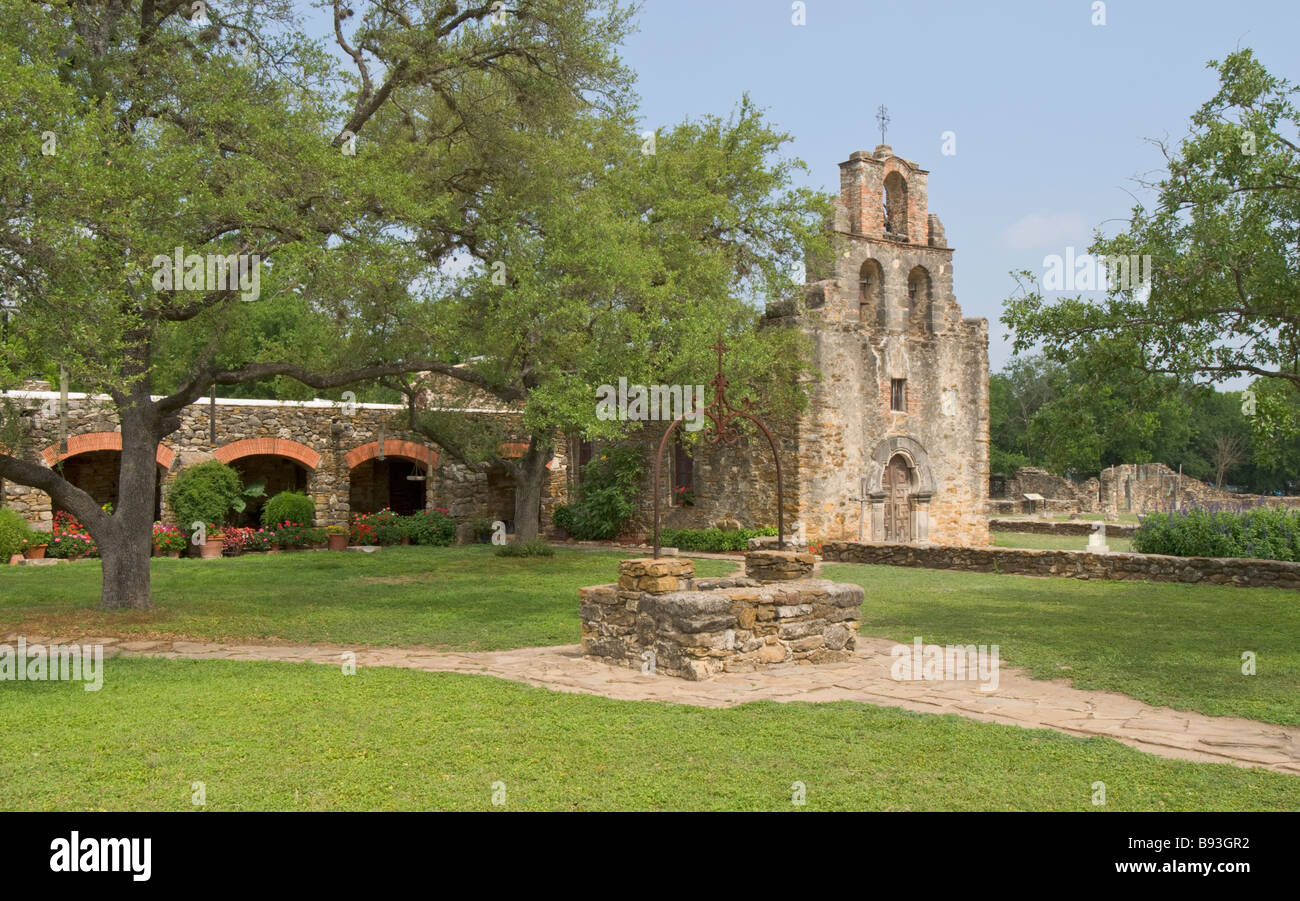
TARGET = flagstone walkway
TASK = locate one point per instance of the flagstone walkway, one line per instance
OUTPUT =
(1018, 700)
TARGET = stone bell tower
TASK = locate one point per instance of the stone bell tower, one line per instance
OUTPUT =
(895, 441)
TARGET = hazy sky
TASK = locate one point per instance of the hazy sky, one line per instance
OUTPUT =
(1051, 112)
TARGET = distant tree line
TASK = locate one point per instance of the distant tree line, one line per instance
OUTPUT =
(1062, 418)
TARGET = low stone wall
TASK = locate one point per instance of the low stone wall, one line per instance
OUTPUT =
(1073, 564)
(660, 618)
(1048, 527)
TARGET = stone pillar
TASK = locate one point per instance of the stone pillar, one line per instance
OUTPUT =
(877, 532)
(921, 517)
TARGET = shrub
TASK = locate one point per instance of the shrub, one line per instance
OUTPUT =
(1267, 533)
(69, 538)
(431, 527)
(710, 539)
(206, 493)
(604, 505)
(481, 527)
(13, 533)
(292, 534)
(289, 506)
(384, 527)
(534, 548)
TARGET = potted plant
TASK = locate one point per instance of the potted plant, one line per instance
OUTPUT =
(168, 541)
(34, 546)
(337, 536)
(214, 544)
(683, 496)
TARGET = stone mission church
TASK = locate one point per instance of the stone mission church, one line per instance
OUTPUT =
(894, 444)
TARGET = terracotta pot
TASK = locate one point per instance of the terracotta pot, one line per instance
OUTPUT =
(35, 552)
(406, 539)
(15, 559)
(338, 542)
(212, 548)
(175, 555)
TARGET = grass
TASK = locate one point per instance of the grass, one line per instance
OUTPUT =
(462, 598)
(1124, 518)
(1057, 542)
(276, 736)
(1163, 643)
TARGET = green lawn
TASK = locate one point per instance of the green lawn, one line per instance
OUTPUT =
(1163, 643)
(306, 737)
(456, 598)
(1125, 518)
(1057, 542)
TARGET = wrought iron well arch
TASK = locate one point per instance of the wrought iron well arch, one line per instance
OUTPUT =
(723, 432)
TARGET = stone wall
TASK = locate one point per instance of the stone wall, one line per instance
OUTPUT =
(659, 618)
(1073, 564)
(1048, 527)
(319, 443)
(1154, 487)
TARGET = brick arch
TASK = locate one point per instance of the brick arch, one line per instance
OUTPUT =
(101, 441)
(275, 447)
(407, 450)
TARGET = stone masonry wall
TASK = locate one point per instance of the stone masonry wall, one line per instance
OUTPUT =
(659, 618)
(321, 437)
(1073, 564)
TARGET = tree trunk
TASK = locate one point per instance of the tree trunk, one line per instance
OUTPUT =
(530, 478)
(128, 540)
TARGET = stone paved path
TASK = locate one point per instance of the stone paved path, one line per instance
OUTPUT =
(1018, 700)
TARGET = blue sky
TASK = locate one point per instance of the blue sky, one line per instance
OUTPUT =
(1051, 113)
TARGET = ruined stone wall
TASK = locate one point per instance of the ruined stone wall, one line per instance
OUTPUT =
(1155, 487)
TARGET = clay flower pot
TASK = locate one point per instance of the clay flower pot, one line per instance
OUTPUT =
(338, 542)
(35, 552)
(213, 547)
(175, 555)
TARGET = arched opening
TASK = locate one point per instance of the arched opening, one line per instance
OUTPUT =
(96, 473)
(897, 484)
(920, 299)
(895, 205)
(396, 482)
(871, 281)
(276, 472)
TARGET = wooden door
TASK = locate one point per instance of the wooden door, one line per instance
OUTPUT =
(898, 501)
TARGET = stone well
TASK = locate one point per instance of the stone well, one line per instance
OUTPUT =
(660, 618)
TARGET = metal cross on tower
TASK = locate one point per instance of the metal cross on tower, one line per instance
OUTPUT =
(882, 117)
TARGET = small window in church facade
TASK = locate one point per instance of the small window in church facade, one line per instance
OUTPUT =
(898, 395)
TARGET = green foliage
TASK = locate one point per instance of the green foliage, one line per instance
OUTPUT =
(13, 534)
(711, 539)
(1062, 418)
(533, 548)
(605, 500)
(289, 506)
(1265, 533)
(431, 527)
(207, 492)
(1221, 239)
